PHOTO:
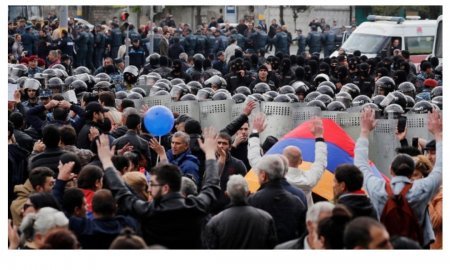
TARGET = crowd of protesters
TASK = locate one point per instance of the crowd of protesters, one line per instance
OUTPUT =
(84, 172)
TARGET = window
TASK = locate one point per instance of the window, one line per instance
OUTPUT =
(419, 45)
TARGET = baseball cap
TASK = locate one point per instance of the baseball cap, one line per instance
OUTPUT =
(95, 107)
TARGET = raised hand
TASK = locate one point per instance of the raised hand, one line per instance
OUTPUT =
(259, 122)
(368, 121)
(126, 148)
(65, 171)
(435, 124)
(209, 145)
(104, 152)
(249, 107)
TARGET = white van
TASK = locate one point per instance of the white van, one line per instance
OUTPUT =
(437, 48)
(374, 38)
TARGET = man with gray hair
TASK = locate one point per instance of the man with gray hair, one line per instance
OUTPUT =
(287, 210)
(310, 240)
(307, 180)
(241, 226)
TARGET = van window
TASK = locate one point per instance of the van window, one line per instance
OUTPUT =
(367, 44)
(419, 45)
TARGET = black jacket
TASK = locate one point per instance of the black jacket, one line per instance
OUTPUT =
(287, 210)
(298, 243)
(173, 221)
(358, 204)
(241, 227)
(49, 158)
(240, 152)
(137, 142)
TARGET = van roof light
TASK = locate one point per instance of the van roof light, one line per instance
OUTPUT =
(374, 18)
(413, 18)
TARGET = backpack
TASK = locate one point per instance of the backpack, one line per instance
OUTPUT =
(398, 217)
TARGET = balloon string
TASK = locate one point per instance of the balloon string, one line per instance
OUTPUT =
(158, 159)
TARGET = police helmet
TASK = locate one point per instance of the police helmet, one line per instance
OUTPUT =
(409, 102)
(55, 84)
(177, 92)
(384, 85)
(261, 88)
(351, 88)
(223, 91)
(121, 95)
(81, 70)
(257, 97)
(102, 77)
(400, 99)
(407, 88)
(19, 70)
(20, 81)
(243, 90)
(436, 92)
(154, 76)
(286, 89)
(12, 81)
(330, 84)
(49, 73)
(177, 81)
(135, 95)
(153, 58)
(166, 81)
(31, 83)
(159, 86)
(361, 100)
(326, 90)
(59, 66)
(239, 98)
(198, 57)
(371, 105)
(194, 86)
(221, 96)
(422, 106)
(300, 88)
(188, 97)
(321, 78)
(345, 98)
(282, 98)
(204, 94)
(336, 106)
(78, 86)
(214, 80)
(317, 103)
(378, 99)
(311, 96)
(293, 97)
(69, 80)
(162, 93)
(272, 94)
(139, 90)
(394, 108)
(326, 99)
(437, 101)
(133, 70)
(267, 97)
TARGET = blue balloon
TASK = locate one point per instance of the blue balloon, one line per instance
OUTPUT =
(159, 120)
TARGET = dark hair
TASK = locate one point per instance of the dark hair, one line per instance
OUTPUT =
(357, 232)
(120, 162)
(38, 176)
(332, 228)
(128, 240)
(168, 174)
(68, 135)
(403, 165)
(409, 150)
(133, 121)
(192, 126)
(43, 199)
(225, 136)
(107, 98)
(72, 198)
(126, 103)
(60, 114)
(88, 176)
(60, 238)
(67, 157)
(133, 157)
(17, 119)
(350, 175)
(51, 136)
(103, 203)
(402, 242)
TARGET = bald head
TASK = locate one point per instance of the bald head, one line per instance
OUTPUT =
(293, 155)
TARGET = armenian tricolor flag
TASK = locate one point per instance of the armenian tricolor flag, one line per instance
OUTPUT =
(340, 148)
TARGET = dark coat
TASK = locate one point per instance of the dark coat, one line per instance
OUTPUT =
(287, 210)
(173, 221)
(241, 227)
(359, 204)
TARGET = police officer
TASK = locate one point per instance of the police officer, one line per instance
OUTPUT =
(328, 40)
(81, 42)
(189, 42)
(364, 81)
(313, 40)
(99, 45)
(90, 49)
(259, 39)
(136, 53)
(241, 40)
(281, 42)
(263, 76)
(301, 42)
(238, 76)
(66, 44)
(200, 42)
(116, 39)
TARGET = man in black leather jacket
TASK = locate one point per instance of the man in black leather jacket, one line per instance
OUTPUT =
(170, 220)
